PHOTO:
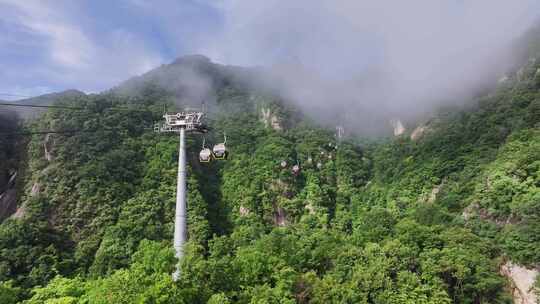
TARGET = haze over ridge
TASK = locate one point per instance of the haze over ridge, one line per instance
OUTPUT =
(371, 59)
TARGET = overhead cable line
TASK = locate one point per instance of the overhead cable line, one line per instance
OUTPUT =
(46, 132)
(64, 131)
(16, 95)
(39, 106)
(68, 107)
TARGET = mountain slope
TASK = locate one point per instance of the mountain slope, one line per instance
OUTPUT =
(48, 99)
(43, 100)
(192, 79)
(423, 220)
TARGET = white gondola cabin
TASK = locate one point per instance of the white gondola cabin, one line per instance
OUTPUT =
(205, 156)
(296, 169)
(220, 150)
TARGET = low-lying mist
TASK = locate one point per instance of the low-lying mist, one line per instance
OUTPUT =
(368, 61)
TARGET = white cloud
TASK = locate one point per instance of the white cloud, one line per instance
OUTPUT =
(19, 92)
(74, 57)
(374, 56)
(359, 55)
(68, 45)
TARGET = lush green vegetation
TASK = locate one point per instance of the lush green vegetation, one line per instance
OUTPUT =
(393, 221)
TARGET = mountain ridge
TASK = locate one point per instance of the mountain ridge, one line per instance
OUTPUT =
(364, 221)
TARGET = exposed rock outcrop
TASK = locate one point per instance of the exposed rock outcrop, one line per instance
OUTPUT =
(503, 79)
(270, 119)
(244, 211)
(475, 210)
(280, 217)
(469, 211)
(521, 282)
(309, 207)
(422, 129)
(21, 211)
(520, 74)
(8, 204)
(47, 147)
(399, 129)
(434, 192)
(8, 198)
(418, 132)
(35, 189)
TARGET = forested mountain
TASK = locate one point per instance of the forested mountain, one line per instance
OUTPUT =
(429, 216)
(41, 100)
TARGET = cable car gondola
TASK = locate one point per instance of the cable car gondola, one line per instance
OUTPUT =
(296, 169)
(220, 150)
(205, 156)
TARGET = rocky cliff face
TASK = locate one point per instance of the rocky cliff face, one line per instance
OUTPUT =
(47, 147)
(9, 159)
(8, 198)
(521, 281)
(270, 119)
(418, 132)
(398, 127)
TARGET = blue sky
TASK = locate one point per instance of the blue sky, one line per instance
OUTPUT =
(92, 45)
(54, 45)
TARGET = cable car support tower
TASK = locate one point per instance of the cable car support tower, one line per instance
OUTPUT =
(187, 121)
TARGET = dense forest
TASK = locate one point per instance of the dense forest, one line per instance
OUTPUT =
(426, 217)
